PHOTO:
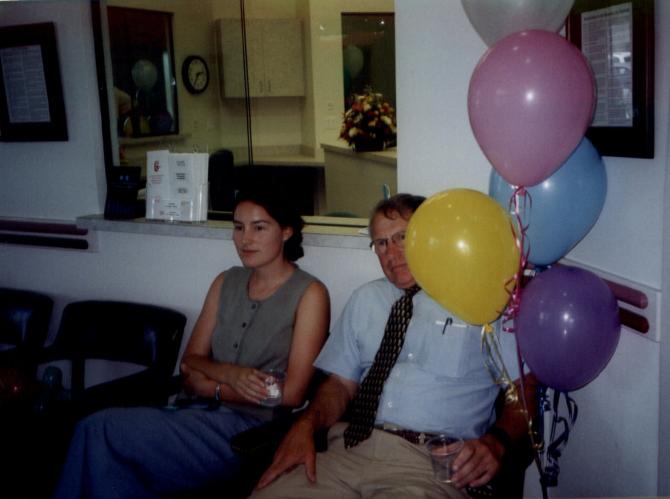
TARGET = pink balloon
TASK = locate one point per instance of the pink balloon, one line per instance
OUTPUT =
(530, 100)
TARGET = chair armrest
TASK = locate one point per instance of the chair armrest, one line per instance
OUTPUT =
(263, 440)
(143, 388)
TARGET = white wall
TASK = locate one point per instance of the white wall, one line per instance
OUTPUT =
(436, 54)
(58, 180)
(175, 272)
(437, 50)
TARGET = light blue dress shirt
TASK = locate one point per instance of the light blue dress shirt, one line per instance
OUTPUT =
(440, 382)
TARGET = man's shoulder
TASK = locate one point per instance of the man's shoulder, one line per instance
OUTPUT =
(371, 295)
(377, 287)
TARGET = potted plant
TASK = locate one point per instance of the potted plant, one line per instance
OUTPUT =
(369, 125)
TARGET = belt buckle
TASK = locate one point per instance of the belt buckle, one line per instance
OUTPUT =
(419, 437)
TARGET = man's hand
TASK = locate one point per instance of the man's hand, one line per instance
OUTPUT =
(298, 445)
(478, 462)
(296, 448)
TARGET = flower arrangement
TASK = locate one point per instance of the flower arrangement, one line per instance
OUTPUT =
(370, 120)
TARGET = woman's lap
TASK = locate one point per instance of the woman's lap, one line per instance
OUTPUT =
(171, 449)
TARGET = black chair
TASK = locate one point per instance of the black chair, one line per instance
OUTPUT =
(35, 436)
(135, 333)
(24, 327)
(222, 182)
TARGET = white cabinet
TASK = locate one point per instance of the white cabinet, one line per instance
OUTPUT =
(274, 53)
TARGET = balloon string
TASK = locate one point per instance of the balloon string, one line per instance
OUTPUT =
(495, 364)
(536, 438)
(496, 367)
(519, 206)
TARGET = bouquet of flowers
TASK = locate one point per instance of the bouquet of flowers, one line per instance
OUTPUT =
(370, 120)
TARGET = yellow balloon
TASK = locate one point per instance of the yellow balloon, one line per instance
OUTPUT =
(461, 248)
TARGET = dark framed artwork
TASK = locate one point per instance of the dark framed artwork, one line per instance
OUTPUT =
(143, 72)
(617, 37)
(31, 92)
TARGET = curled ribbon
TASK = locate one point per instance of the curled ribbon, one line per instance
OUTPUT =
(558, 436)
(495, 365)
(519, 205)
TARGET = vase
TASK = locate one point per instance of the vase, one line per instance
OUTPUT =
(368, 145)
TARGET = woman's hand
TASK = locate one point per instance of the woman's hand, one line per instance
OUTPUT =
(249, 383)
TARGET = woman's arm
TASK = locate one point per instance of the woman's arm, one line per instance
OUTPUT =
(202, 374)
(309, 334)
(198, 349)
(245, 384)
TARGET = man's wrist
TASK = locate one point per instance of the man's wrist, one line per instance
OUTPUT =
(501, 437)
(309, 420)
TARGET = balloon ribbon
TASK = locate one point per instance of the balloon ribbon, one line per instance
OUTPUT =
(558, 436)
(519, 205)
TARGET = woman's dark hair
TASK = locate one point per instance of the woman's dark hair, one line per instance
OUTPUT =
(283, 211)
(403, 204)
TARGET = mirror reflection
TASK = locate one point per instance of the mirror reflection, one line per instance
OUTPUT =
(142, 72)
(262, 86)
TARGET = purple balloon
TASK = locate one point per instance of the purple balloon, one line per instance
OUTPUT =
(531, 98)
(567, 327)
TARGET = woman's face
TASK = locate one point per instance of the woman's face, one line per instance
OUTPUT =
(258, 238)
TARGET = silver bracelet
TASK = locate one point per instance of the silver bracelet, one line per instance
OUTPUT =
(217, 392)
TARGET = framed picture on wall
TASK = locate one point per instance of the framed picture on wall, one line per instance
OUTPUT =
(617, 37)
(31, 93)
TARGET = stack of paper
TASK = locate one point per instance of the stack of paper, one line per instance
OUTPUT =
(177, 186)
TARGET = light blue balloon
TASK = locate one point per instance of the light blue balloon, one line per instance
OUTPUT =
(564, 206)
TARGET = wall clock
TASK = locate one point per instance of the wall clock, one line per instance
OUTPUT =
(195, 74)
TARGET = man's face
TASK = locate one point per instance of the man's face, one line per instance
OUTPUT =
(392, 254)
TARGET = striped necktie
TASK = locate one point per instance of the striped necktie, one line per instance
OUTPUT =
(365, 402)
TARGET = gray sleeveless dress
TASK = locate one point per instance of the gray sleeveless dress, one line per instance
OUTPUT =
(256, 333)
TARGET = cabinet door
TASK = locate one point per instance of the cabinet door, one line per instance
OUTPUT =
(231, 62)
(275, 59)
(255, 58)
(283, 57)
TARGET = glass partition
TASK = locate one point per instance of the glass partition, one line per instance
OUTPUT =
(273, 102)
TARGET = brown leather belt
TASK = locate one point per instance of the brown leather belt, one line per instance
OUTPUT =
(414, 437)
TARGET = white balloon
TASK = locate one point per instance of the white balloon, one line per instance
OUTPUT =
(144, 74)
(353, 59)
(495, 19)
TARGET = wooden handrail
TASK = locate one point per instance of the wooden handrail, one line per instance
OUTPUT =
(630, 296)
(47, 234)
(42, 227)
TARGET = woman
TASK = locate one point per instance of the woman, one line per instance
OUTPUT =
(268, 314)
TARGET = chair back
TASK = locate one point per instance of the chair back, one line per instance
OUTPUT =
(24, 325)
(136, 333)
(222, 181)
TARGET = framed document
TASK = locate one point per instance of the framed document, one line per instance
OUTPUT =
(31, 94)
(617, 38)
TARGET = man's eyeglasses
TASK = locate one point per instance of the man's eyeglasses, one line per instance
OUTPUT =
(381, 245)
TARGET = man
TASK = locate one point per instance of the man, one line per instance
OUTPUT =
(438, 383)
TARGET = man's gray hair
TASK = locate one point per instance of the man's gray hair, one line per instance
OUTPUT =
(403, 204)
